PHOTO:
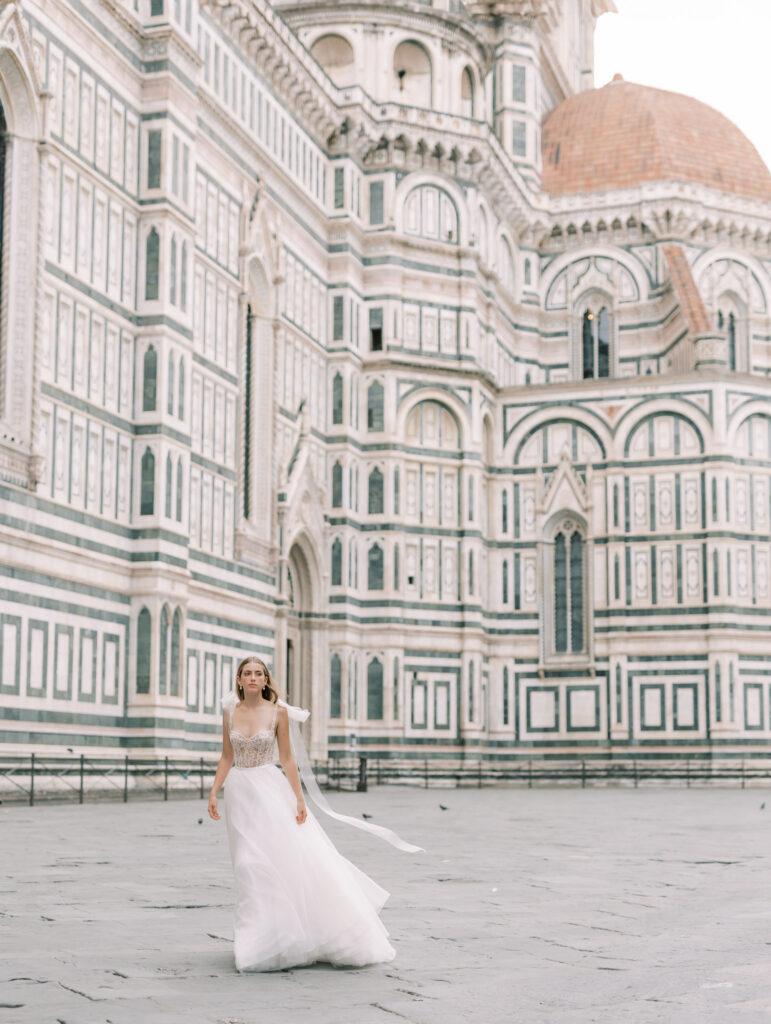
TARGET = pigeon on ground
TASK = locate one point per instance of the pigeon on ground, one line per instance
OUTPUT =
(442, 807)
(368, 816)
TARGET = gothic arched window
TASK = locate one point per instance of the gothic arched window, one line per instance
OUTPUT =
(143, 651)
(152, 264)
(337, 563)
(176, 652)
(179, 490)
(173, 272)
(337, 399)
(147, 487)
(335, 686)
(163, 661)
(183, 278)
(730, 320)
(375, 406)
(181, 386)
(569, 589)
(149, 380)
(337, 486)
(169, 486)
(375, 568)
(467, 93)
(595, 344)
(375, 690)
(375, 489)
(170, 386)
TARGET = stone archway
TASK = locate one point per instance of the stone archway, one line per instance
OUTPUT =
(302, 647)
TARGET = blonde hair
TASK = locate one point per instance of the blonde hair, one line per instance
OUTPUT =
(269, 691)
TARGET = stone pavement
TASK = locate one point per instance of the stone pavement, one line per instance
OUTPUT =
(567, 906)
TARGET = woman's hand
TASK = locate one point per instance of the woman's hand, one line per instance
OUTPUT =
(302, 813)
(213, 812)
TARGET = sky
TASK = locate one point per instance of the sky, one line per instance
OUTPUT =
(716, 51)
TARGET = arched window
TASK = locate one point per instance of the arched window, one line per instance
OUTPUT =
(528, 273)
(375, 406)
(337, 563)
(471, 573)
(143, 651)
(505, 512)
(430, 213)
(170, 386)
(375, 488)
(467, 93)
(183, 278)
(149, 380)
(181, 396)
(169, 486)
(505, 583)
(337, 486)
(335, 55)
(568, 590)
(179, 489)
(505, 696)
(163, 660)
(471, 691)
(173, 272)
(595, 343)
(335, 686)
(152, 264)
(375, 568)
(375, 690)
(147, 487)
(412, 75)
(176, 652)
(337, 399)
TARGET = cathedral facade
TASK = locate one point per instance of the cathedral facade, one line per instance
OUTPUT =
(376, 341)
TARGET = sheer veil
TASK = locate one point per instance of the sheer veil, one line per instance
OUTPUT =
(296, 717)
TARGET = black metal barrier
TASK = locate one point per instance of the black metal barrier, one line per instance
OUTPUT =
(40, 777)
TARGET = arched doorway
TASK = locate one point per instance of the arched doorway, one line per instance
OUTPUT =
(303, 645)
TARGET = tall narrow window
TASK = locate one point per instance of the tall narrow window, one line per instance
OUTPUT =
(176, 652)
(337, 563)
(568, 607)
(505, 696)
(169, 486)
(337, 318)
(595, 344)
(519, 90)
(156, 8)
(505, 512)
(154, 159)
(375, 492)
(181, 390)
(466, 93)
(375, 568)
(149, 380)
(143, 651)
(375, 402)
(152, 264)
(183, 278)
(337, 399)
(339, 188)
(731, 341)
(179, 489)
(335, 686)
(337, 486)
(471, 691)
(396, 491)
(375, 690)
(505, 583)
(519, 138)
(170, 386)
(163, 660)
(147, 487)
(376, 202)
(376, 329)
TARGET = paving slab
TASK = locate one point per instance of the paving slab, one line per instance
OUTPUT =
(566, 906)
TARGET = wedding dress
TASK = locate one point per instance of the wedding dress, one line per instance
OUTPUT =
(297, 900)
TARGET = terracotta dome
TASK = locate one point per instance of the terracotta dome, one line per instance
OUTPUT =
(624, 134)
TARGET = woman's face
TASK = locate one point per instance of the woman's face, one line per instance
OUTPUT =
(252, 677)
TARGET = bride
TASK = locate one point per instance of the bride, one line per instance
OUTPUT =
(297, 900)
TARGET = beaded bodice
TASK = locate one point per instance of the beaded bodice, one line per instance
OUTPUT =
(253, 751)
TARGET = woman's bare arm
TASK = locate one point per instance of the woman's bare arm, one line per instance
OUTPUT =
(224, 766)
(286, 758)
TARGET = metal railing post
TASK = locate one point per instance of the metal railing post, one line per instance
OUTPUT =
(32, 780)
(125, 779)
(166, 778)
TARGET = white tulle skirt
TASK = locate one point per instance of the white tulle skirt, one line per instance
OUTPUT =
(297, 900)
